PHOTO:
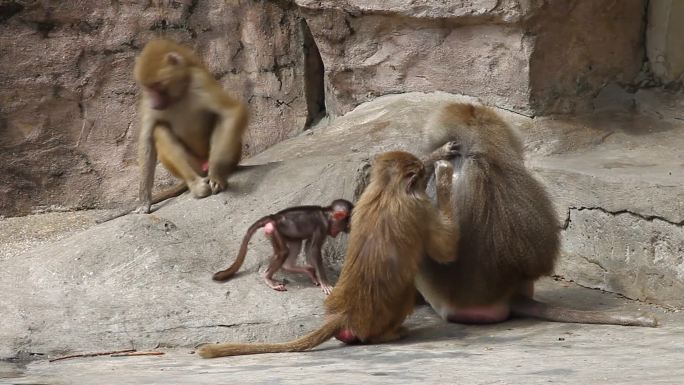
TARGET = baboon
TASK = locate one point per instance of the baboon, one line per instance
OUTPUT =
(394, 225)
(510, 235)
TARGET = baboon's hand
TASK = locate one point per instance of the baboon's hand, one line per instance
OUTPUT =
(200, 187)
(217, 184)
(449, 150)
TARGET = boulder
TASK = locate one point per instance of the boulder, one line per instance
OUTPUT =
(617, 178)
(68, 101)
(533, 57)
(145, 280)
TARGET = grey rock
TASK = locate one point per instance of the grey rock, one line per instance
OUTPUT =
(515, 352)
(662, 37)
(613, 98)
(617, 179)
(533, 57)
(145, 280)
(68, 109)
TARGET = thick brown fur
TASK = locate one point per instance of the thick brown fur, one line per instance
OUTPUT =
(187, 120)
(510, 235)
(393, 227)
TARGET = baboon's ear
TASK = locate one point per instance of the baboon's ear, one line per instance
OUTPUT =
(339, 215)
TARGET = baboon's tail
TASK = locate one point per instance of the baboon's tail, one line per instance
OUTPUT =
(528, 307)
(169, 193)
(232, 269)
(307, 342)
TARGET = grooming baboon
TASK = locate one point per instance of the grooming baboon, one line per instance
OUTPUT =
(393, 227)
(509, 230)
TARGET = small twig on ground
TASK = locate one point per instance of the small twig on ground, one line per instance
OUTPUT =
(92, 354)
(131, 354)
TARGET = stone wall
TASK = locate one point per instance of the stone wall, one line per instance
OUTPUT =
(68, 100)
(664, 39)
(533, 57)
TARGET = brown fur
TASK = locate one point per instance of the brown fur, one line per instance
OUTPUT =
(510, 235)
(291, 227)
(393, 226)
(187, 119)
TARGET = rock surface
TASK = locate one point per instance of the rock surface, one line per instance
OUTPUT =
(662, 37)
(68, 99)
(618, 181)
(528, 56)
(515, 352)
(144, 280)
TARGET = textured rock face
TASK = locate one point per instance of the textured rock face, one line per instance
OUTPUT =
(68, 100)
(67, 105)
(624, 252)
(618, 181)
(664, 37)
(529, 56)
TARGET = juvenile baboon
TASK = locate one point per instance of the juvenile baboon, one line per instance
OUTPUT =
(189, 122)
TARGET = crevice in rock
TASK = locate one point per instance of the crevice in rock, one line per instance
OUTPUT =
(45, 27)
(643, 37)
(239, 324)
(314, 83)
(9, 9)
(184, 24)
(188, 16)
(566, 222)
(649, 218)
(529, 115)
(348, 24)
(666, 307)
(238, 51)
(593, 262)
(645, 78)
(80, 61)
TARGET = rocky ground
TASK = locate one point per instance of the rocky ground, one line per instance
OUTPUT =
(515, 352)
(143, 281)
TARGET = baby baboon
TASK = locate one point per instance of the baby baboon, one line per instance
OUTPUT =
(287, 230)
